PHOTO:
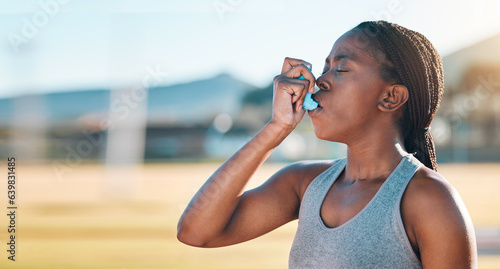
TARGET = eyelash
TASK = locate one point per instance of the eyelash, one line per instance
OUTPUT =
(338, 71)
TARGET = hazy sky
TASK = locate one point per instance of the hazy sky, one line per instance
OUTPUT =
(50, 45)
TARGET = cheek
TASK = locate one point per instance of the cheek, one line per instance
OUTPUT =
(350, 100)
(364, 96)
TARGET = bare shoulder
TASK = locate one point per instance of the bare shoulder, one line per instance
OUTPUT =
(438, 222)
(428, 187)
(431, 191)
(304, 172)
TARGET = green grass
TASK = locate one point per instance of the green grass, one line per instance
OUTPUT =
(74, 223)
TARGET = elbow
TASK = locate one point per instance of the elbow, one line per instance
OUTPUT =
(184, 235)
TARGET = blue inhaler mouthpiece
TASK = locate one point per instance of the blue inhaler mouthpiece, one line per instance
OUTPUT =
(309, 103)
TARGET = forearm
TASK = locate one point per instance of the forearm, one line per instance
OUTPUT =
(210, 210)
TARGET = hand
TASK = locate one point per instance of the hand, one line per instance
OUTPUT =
(289, 93)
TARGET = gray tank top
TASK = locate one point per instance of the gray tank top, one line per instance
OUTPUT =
(374, 238)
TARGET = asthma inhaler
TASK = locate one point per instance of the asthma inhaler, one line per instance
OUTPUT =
(309, 103)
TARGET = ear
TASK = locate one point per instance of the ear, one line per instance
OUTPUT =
(393, 97)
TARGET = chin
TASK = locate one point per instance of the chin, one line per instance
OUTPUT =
(319, 134)
(318, 130)
(325, 135)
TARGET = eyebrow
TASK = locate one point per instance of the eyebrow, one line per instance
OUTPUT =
(342, 56)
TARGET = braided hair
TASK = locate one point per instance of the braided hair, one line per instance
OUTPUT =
(411, 60)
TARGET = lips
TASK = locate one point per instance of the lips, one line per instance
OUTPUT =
(316, 99)
(313, 112)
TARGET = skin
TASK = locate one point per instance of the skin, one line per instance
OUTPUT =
(357, 108)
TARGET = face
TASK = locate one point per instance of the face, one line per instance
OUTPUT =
(350, 89)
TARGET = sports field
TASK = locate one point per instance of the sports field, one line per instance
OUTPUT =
(74, 222)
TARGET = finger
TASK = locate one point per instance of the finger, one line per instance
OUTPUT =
(301, 98)
(290, 63)
(297, 89)
(301, 114)
(298, 107)
(302, 70)
(291, 88)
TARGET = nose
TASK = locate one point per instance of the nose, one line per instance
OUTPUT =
(322, 83)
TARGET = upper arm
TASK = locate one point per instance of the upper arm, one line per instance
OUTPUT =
(440, 222)
(268, 206)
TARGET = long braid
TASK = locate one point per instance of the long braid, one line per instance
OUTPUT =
(414, 63)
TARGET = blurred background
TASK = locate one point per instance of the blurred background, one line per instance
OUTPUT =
(118, 111)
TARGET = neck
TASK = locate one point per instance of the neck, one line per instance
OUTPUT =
(374, 157)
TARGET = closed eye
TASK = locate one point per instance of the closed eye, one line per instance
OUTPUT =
(338, 71)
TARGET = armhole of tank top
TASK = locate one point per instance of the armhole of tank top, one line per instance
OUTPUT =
(335, 163)
(402, 229)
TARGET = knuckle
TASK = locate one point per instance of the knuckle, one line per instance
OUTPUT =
(305, 86)
(279, 81)
(305, 66)
(276, 79)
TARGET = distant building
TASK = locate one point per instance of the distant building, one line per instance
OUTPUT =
(467, 125)
(74, 125)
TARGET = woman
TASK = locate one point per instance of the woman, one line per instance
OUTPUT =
(384, 205)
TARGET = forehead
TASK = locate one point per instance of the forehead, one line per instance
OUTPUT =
(353, 46)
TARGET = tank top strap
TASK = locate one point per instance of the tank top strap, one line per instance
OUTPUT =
(311, 196)
(390, 193)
